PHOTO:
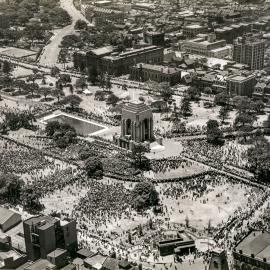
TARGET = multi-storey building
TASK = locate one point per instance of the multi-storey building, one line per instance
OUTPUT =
(144, 72)
(154, 38)
(105, 60)
(207, 45)
(231, 32)
(249, 51)
(241, 85)
(44, 234)
(192, 30)
(99, 15)
(4, 21)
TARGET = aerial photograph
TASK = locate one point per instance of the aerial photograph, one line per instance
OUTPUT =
(135, 134)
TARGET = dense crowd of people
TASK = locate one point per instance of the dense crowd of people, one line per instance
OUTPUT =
(15, 158)
(229, 157)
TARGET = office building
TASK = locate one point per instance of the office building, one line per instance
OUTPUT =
(44, 234)
(106, 60)
(207, 45)
(154, 38)
(241, 85)
(249, 51)
(144, 72)
(192, 30)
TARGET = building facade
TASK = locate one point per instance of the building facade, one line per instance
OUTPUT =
(44, 234)
(249, 51)
(191, 31)
(104, 60)
(154, 38)
(100, 15)
(240, 85)
(207, 45)
(144, 72)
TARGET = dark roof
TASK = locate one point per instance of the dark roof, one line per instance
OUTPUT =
(69, 267)
(256, 243)
(85, 252)
(124, 263)
(6, 214)
(111, 264)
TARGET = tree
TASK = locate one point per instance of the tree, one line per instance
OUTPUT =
(112, 99)
(10, 188)
(93, 167)
(51, 128)
(32, 77)
(193, 93)
(81, 83)
(222, 99)
(101, 80)
(63, 57)
(244, 119)
(30, 199)
(259, 159)
(57, 93)
(80, 25)
(6, 67)
(140, 160)
(140, 230)
(258, 106)
(65, 79)
(33, 87)
(20, 84)
(214, 134)
(15, 120)
(45, 91)
(62, 134)
(186, 107)
(108, 83)
(223, 114)
(55, 71)
(166, 91)
(144, 195)
(242, 104)
(266, 123)
(73, 100)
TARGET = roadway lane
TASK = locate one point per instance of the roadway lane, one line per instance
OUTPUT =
(50, 52)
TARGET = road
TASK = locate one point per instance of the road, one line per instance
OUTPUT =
(50, 52)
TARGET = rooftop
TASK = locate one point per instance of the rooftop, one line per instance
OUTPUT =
(95, 260)
(194, 26)
(103, 50)
(6, 214)
(240, 78)
(41, 264)
(40, 220)
(57, 252)
(159, 68)
(136, 107)
(256, 243)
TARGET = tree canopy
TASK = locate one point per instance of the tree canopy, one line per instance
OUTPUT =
(144, 195)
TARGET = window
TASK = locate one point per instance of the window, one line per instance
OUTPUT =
(215, 264)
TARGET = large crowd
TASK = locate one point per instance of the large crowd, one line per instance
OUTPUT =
(18, 159)
(229, 157)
